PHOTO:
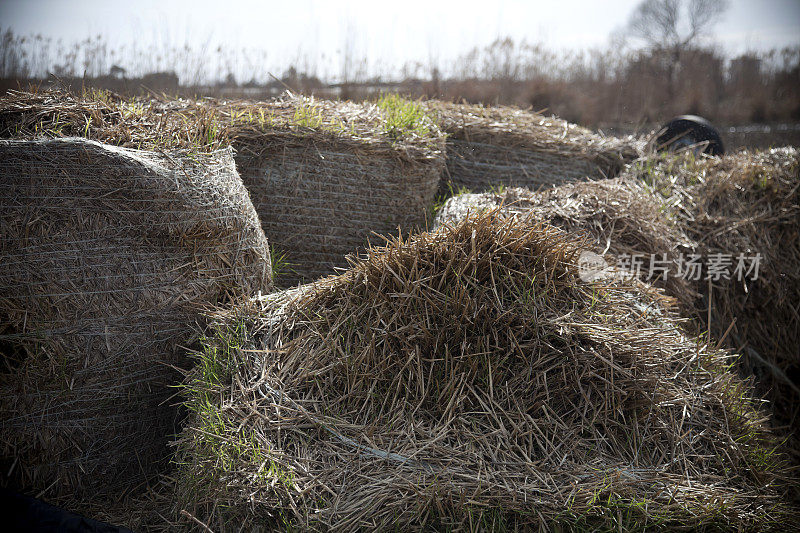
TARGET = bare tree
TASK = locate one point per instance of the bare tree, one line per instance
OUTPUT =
(669, 27)
(675, 23)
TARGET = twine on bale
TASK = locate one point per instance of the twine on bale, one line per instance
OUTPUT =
(468, 377)
(109, 258)
(505, 146)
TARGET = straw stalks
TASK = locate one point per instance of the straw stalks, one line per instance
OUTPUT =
(745, 203)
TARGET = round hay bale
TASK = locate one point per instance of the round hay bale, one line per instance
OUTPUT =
(491, 147)
(109, 257)
(327, 177)
(467, 379)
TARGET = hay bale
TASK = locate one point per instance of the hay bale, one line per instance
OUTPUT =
(619, 217)
(326, 176)
(109, 256)
(745, 203)
(504, 146)
(468, 378)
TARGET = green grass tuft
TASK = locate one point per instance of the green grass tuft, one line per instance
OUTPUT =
(403, 117)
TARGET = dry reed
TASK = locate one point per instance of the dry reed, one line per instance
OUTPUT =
(618, 217)
(325, 176)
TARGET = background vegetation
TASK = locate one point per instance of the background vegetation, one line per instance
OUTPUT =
(663, 62)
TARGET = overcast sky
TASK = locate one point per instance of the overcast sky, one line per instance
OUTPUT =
(390, 32)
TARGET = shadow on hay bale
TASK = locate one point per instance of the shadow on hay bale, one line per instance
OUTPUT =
(109, 256)
(326, 176)
(468, 378)
(491, 147)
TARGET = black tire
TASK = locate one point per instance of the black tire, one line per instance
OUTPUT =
(690, 131)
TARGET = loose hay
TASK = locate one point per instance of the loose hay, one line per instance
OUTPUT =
(467, 378)
(503, 146)
(745, 203)
(619, 217)
(109, 256)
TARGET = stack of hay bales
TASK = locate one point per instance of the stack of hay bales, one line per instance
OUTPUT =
(109, 256)
(504, 146)
(468, 379)
(325, 176)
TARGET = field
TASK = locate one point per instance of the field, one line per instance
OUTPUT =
(222, 314)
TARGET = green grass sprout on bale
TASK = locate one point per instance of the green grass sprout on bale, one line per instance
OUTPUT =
(403, 117)
(308, 115)
(280, 262)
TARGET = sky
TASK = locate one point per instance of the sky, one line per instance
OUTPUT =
(387, 33)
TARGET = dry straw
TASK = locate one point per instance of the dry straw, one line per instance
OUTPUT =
(466, 379)
(144, 124)
(506, 146)
(745, 203)
(619, 217)
(109, 256)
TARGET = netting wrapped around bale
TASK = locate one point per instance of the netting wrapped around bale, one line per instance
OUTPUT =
(325, 176)
(109, 257)
(468, 379)
(504, 146)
